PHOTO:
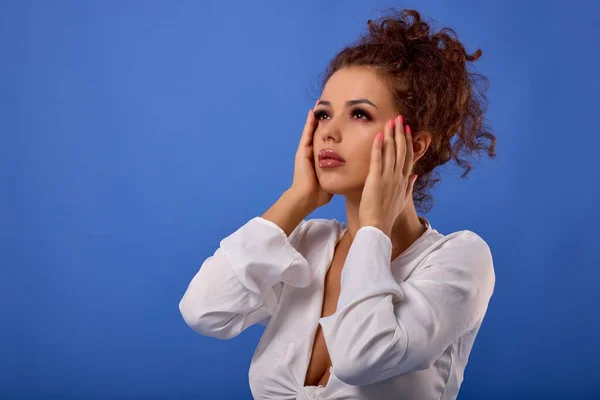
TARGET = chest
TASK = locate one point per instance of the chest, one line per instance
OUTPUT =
(320, 362)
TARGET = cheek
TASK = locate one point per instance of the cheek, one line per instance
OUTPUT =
(365, 139)
(361, 151)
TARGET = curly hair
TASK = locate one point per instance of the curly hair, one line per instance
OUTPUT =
(432, 87)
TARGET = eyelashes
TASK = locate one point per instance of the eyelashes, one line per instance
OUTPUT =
(357, 113)
(320, 114)
(361, 114)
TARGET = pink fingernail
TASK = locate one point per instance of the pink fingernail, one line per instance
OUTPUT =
(391, 123)
(380, 137)
(399, 120)
(407, 129)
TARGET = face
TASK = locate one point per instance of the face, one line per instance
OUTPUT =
(355, 105)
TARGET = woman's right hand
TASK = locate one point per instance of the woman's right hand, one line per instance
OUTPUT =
(305, 183)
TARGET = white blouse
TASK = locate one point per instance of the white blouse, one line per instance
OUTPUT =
(400, 331)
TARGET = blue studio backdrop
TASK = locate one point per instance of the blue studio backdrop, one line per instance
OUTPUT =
(135, 135)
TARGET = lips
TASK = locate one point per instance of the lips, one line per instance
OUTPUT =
(328, 154)
(330, 159)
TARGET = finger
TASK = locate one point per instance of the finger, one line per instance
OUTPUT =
(410, 151)
(389, 149)
(375, 167)
(400, 145)
(411, 185)
(309, 129)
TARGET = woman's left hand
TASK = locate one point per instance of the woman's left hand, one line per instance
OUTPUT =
(389, 185)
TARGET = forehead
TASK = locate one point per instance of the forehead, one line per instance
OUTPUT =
(357, 83)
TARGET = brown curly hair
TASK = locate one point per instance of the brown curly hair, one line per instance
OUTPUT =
(432, 87)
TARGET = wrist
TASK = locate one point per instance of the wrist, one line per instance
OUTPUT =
(299, 203)
(378, 225)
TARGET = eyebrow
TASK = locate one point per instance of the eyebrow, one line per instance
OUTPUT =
(349, 103)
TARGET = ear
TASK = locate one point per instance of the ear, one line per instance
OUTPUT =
(421, 142)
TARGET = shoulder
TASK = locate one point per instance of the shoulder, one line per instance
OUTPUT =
(465, 241)
(462, 253)
(316, 230)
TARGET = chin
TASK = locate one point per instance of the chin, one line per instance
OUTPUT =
(339, 185)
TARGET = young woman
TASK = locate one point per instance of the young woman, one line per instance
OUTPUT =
(383, 306)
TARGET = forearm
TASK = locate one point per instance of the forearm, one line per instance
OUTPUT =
(288, 211)
(384, 327)
(235, 287)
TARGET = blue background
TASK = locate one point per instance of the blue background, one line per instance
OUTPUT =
(137, 134)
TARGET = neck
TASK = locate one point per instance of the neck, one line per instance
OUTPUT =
(406, 229)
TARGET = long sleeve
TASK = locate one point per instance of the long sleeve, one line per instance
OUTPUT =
(240, 284)
(384, 328)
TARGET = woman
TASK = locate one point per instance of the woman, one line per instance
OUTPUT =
(383, 307)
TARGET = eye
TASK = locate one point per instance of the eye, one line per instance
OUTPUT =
(321, 114)
(360, 114)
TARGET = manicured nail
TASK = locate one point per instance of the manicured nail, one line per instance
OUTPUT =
(380, 137)
(399, 120)
(407, 129)
(391, 123)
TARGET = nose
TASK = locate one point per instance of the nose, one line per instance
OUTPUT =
(330, 131)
